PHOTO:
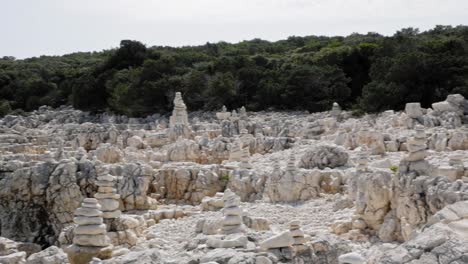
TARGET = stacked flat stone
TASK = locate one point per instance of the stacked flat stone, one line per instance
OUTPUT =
(179, 113)
(362, 161)
(90, 230)
(291, 165)
(232, 221)
(297, 233)
(107, 196)
(417, 145)
(245, 159)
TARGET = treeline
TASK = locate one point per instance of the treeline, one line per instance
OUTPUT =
(361, 72)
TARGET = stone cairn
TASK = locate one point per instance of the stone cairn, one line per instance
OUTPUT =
(224, 114)
(90, 239)
(108, 197)
(291, 165)
(234, 116)
(244, 159)
(179, 113)
(235, 152)
(417, 146)
(362, 160)
(297, 234)
(336, 110)
(178, 122)
(242, 113)
(232, 221)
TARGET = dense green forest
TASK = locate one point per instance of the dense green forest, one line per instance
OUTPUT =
(361, 72)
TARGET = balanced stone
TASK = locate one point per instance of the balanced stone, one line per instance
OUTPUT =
(111, 214)
(105, 184)
(107, 196)
(90, 200)
(232, 220)
(91, 205)
(83, 220)
(83, 211)
(109, 204)
(232, 211)
(90, 229)
(107, 177)
(105, 189)
(91, 240)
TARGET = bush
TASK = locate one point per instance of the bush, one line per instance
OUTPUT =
(4, 108)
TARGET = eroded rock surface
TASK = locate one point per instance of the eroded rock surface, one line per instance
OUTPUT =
(236, 186)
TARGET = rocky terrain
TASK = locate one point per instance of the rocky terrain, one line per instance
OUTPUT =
(236, 187)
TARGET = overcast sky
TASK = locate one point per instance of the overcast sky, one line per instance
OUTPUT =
(54, 27)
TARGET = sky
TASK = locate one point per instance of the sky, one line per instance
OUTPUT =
(55, 27)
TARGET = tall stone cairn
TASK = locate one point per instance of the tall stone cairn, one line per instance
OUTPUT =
(179, 113)
(90, 235)
(108, 197)
(417, 145)
(232, 220)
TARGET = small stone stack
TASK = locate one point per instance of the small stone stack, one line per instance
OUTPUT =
(417, 146)
(336, 110)
(297, 234)
(234, 116)
(362, 161)
(232, 221)
(224, 114)
(291, 166)
(243, 113)
(108, 197)
(90, 236)
(245, 158)
(90, 230)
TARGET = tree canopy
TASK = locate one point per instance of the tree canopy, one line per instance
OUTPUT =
(370, 72)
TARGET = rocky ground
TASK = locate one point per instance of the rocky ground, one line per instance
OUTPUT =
(236, 187)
